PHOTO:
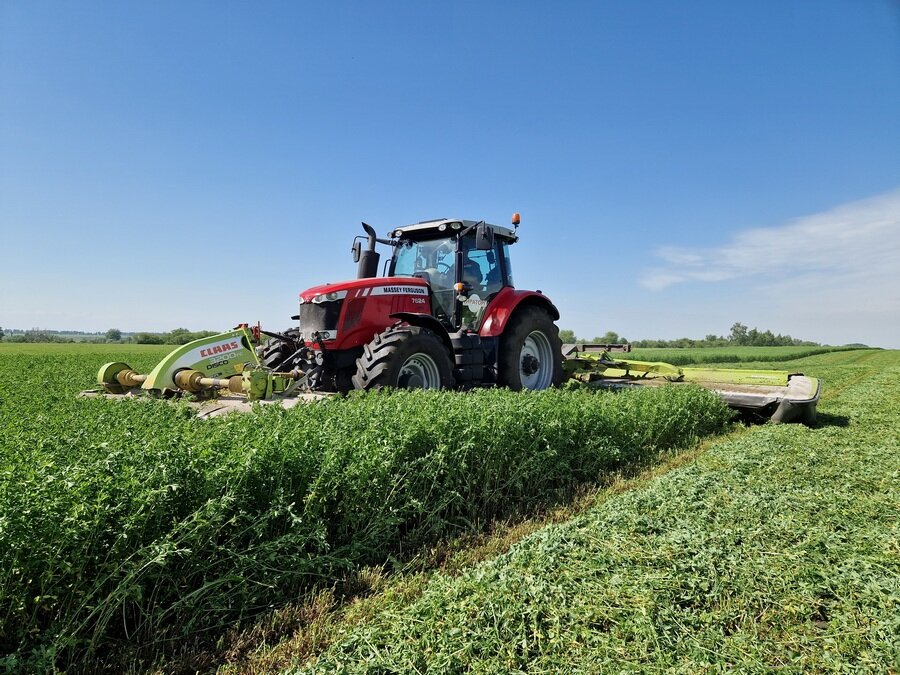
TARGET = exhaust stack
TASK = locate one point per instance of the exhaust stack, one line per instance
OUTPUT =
(368, 259)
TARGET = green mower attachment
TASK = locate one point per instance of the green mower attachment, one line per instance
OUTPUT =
(223, 369)
(776, 395)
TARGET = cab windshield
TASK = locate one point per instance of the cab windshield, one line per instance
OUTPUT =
(432, 260)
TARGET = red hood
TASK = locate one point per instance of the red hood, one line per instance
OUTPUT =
(357, 284)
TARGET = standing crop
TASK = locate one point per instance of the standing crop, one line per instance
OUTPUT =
(136, 521)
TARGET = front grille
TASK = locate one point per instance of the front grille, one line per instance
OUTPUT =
(319, 316)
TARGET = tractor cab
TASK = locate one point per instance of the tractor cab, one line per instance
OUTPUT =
(465, 264)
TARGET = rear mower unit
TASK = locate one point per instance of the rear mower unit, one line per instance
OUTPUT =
(445, 316)
(775, 395)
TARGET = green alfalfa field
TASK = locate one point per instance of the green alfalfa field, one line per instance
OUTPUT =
(135, 536)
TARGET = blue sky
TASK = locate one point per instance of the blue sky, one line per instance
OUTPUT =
(678, 166)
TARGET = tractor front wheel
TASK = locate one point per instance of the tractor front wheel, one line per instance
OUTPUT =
(405, 357)
(530, 352)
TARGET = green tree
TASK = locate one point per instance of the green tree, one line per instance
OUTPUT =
(177, 336)
(148, 338)
(1, 332)
(567, 336)
(611, 337)
(114, 335)
(739, 334)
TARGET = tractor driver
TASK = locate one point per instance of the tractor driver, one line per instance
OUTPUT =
(472, 274)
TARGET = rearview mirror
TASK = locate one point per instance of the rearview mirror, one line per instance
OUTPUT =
(356, 250)
(484, 237)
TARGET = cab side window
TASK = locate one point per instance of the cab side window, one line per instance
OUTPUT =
(484, 269)
(482, 272)
(504, 251)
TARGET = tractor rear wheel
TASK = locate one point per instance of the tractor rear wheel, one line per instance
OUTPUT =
(530, 352)
(276, 352)
(405, 357)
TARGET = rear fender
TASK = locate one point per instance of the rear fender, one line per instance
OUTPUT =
(505, 304)
(426, 321)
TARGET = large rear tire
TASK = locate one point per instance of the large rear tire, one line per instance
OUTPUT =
(276, 351)
(405, 357)
(530, 352)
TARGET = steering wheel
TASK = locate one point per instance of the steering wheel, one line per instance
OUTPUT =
(446, 267)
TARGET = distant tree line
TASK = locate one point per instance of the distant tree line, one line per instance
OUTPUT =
(740, 335)
(32, 336)
(178, 336)
(568, 337)
(9, 332)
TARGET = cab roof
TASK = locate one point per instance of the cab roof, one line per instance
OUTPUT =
(443, 226)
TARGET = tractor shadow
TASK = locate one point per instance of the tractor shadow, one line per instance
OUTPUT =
(828, 420)
(752, 419)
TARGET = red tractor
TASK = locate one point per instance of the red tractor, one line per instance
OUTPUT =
(446, 315)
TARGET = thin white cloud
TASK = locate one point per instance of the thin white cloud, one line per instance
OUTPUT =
(852, 251)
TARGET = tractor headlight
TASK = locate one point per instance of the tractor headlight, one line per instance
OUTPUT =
(329, 297)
